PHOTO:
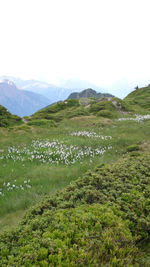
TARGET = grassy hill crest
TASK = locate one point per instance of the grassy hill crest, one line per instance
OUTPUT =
(140, 97)
(88, 103)
(7, 119)
(70, 108)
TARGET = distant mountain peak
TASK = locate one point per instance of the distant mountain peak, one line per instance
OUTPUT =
(88, 93)
(20, 102)
(7, 81)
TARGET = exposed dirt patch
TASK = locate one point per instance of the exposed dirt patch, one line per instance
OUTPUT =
(145, 146)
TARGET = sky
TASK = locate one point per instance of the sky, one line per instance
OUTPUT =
(105, 42)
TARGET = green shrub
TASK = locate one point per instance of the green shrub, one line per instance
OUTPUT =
(7, 119)
(42, 122)
(133, 148)
(125, 184)
(102, 105)
(85, 236)
(105, 113)
(59, 106)
(80, 111)
(23, 127)
(92, 221)
(97, 107)
(72, 102)
(4, 122)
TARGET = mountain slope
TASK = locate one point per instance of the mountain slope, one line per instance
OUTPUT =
(102, 107)
(139, 98)
(20, 102)
(88, 93)
(7, 119)
(51, 91)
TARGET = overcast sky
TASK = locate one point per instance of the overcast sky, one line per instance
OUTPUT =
(102, 41)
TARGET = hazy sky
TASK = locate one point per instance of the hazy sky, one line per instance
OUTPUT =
(102, 41)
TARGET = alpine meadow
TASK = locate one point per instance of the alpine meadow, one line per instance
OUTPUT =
(75, 183)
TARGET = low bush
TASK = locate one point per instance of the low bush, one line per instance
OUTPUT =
(23, 127)
(133, 148)
(42, 122)
(8, 119)
(125, 184)
(106, 114)
(84, 236)
(102, 105)
(93, 221)
(80, 111)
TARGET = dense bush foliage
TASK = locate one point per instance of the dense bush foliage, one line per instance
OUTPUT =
(102, 105)
(133, 148)
(82, 107)
(42, 122)
(84, 236)
(57, 112)
(7, 119)
(63, 231)
(125, 184)
(59, 106)
(79, 111)
(105, 113)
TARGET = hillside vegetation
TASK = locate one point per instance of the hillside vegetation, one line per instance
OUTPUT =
(139, 98)
(84, 165)
(7, 119)
(70, 108)
(70, 229)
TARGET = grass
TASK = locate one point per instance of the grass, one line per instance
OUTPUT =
(72, 108)
(35, 169)
(139, 98)
(46, 179)
(102, 217)
(76, 160)
(7, 119)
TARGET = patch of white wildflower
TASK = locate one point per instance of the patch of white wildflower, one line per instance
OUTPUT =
(14, 186)
(90, 134)
(137, 118)
(54, 152)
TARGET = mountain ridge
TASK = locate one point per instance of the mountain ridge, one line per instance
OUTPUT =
(20, 102)
(88, 93)
(53, 92)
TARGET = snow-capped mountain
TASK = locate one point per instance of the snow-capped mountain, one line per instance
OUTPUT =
(20, 102)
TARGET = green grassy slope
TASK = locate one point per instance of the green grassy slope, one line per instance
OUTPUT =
(101, 218)
(139, 98)
(7, 119)
(80, 107)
